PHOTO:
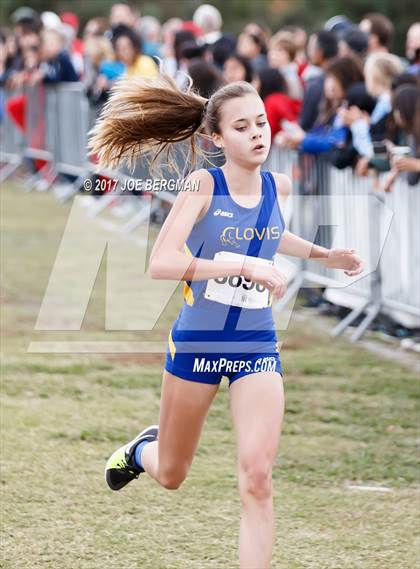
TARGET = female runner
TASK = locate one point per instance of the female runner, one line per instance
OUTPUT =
(220, 238)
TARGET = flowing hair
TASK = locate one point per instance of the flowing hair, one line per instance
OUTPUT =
(147, 117)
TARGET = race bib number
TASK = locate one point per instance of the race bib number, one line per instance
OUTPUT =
(237, 290)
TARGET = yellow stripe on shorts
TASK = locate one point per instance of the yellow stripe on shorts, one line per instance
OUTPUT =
(172, 347)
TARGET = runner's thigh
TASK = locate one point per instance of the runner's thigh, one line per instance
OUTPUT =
(183, 409)
(257, 408)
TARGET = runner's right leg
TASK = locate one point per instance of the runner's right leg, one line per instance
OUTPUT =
(183, 410)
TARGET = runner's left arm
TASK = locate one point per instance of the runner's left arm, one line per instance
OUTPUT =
(291, 244)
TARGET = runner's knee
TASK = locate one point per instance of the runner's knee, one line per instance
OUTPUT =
(172, 477)
(255, 480)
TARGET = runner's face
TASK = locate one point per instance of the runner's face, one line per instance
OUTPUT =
(245, 133)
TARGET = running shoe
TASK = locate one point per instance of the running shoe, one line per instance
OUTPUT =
(121, 468)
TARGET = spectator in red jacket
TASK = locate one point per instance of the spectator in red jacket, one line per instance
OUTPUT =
(272, 87)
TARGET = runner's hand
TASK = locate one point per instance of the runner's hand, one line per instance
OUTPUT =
(346, 259)
(270, 277)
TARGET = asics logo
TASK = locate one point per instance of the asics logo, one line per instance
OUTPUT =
(223, 213)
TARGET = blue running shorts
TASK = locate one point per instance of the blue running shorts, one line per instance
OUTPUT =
(210, 367)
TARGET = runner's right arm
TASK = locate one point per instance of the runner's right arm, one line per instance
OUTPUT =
(168, 259)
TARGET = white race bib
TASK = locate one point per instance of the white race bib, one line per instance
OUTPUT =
(237, 290)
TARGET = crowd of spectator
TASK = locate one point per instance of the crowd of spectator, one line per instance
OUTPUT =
(339, 92)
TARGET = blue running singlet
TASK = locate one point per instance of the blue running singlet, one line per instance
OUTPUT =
(225, 326)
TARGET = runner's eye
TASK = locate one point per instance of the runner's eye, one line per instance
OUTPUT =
(262, 123)
(241, 128)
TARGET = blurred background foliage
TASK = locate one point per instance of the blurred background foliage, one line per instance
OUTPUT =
(310, 14)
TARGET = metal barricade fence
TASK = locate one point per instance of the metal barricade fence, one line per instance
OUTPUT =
(358, 213)
(72, 114)
(11, 139)
(59, 118)
(400, 259)
(310, 217)
(348, 200)
(286, 162)
(335, 207)
(40, 130)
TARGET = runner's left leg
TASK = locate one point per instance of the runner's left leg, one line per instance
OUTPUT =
(257, 407)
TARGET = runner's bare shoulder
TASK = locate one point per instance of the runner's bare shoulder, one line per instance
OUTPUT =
(201, 187)
(189, 205)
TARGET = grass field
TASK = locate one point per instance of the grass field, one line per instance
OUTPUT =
(351, 419)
